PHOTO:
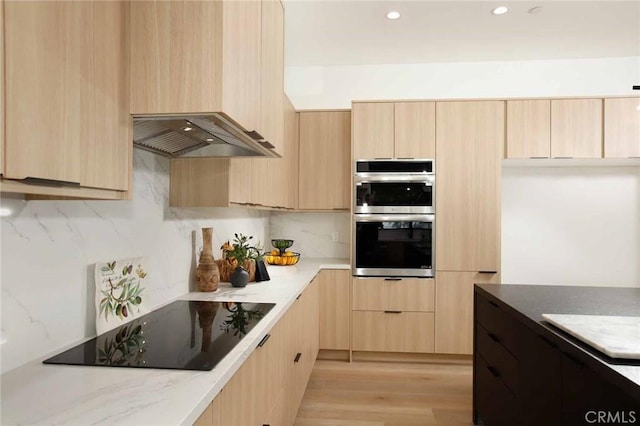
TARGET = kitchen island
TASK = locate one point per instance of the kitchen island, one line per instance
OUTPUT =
(526, 371)
(59, 394)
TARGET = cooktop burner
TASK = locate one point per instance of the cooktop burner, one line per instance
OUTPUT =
(184, 335)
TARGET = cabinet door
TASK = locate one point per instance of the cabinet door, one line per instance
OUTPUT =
(393, 331)
(334, 309)
(454, 310)
(211, 416)
(622, 128)
(415, 130)
(529, 129)
(44, 45)
(167, 77)
(393, 294)
(373, 130)
(272, 109)
(576, 128)
(241, 62)
(324, 158)
(468, 175)
(106, 124)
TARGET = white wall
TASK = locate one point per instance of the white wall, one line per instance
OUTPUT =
(583, 226)
(48, 247)
(312, 232)
(336, 86)
(571, 226)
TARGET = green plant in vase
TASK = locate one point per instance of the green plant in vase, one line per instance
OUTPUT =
(240, 252)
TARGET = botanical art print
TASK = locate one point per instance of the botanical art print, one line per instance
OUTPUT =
(120, 292)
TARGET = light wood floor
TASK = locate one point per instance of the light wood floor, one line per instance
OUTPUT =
(386, 394)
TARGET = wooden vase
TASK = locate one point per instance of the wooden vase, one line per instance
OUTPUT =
(207, 272)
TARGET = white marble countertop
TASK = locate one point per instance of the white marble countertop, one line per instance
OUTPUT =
(75, 395)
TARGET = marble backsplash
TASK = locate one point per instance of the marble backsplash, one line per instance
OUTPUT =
(312, 232)
(48, 249)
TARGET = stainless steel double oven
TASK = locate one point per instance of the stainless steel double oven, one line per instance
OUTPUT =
(394, 218)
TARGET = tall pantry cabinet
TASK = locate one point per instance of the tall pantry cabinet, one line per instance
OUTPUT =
(469, 149)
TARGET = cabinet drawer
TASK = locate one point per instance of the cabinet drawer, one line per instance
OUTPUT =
(393, 331)
(498, 358)
(495, 403)
(395, 294)
(497, 322)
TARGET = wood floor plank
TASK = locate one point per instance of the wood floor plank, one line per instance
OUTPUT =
(387, 394)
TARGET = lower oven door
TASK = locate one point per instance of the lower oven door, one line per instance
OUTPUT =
(393, 245)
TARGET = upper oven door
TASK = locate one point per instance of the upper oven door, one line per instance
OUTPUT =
(394, 194)
(393, 245)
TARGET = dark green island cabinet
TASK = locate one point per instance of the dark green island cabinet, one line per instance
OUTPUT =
(526, 372)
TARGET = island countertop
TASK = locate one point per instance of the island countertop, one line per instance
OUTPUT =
(64, 394)
(529, 302)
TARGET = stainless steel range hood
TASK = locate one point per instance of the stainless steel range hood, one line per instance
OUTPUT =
(190, 136)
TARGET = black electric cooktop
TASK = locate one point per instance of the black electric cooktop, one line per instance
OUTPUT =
(184, 335)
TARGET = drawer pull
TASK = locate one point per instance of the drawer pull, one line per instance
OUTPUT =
(493, 371)
(494, 304)
(392, 312)
(300, 295)
(494, 337)
(298, 356)
(264, 340)
(487, 272)
(393, 279)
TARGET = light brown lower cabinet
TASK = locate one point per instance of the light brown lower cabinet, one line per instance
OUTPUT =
(335, 311)
(393, 331)
(454, 310)
(268, 388)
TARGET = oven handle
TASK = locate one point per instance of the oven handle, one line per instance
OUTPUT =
(394, 218)
(426, 179)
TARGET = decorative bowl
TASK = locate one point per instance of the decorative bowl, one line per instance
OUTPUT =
(288, 258)
(282, 245)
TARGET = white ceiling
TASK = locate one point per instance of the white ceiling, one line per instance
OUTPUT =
(336, 32)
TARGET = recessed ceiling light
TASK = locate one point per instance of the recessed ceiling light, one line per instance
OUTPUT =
(638, 107)
(209, 139)
(187, 129)
(500, 10)
(4, 212)
(393, 15)
(535, 10)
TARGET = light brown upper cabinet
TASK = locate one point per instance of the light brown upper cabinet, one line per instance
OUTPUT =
(529, 128)
(372, 130)
(415, 129)
(469, 147)
(67, 97)
(272, 108)
(325, 139)
(209, 56)
(393, 130)
(576, 128)
(622, 128)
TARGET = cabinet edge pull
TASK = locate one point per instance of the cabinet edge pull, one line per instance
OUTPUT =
(492, 303)
(487, 271)
(264, 340)
(494, 337)
(538, 158)
(48, 182)
(300, 295)
(392, 312)
(382, 158)
(266, 144)
(493, 371)
(563, 158)
(634, 156)
(393, 279)
(253, 134)
(298, 356)
(574, 359)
